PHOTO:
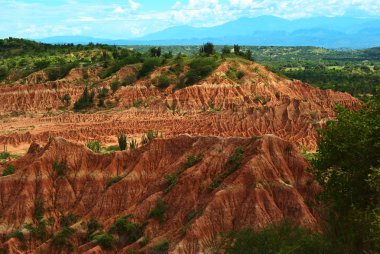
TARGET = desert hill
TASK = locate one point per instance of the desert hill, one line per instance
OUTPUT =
(259, 102)
(67, 184)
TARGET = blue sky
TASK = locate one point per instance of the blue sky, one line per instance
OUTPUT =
(124, 19)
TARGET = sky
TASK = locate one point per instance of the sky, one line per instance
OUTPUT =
(126, 19)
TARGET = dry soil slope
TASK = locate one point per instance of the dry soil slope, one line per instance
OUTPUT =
(270, 185)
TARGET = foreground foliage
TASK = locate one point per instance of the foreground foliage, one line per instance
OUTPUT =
(347, 166)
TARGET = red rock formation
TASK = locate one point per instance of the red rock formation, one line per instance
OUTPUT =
(268, 186)
(259, 103)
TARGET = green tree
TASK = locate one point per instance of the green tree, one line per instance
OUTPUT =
(207, 49)
(347, 167)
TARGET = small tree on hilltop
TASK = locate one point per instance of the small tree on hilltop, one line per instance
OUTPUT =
(236, 49)
(207, 48)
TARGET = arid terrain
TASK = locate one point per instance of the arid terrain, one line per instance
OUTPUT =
(228, 156)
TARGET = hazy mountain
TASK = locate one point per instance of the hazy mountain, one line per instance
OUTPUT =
(330, 32)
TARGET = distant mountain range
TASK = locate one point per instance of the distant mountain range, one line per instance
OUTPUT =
(329, 32)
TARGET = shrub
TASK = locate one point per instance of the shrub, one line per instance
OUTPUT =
(240, 74)
(92, 226)
(158, 211)
(9, 170)
(163, 81)
(200, 68)
(4, 155)
(103, 93)
(161, 247)
(113, 180)
(68, 220)
(122, 140)
(85, 101)
(129, 80)
(148, 66)
(60, 168)
(18, 235)
(124, 227)
(66, 99)
(59, 72)
(105, 240)
(285, 238)
(114, 86)
(61, 240)
(94, 145)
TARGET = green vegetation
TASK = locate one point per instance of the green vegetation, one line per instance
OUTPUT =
(126, 229)
(113, 180)
(122, 140)
(161, 247)
(86, 101)
(60, 168)
(172, 179)
(347, 167)
(104, 240)
(92, 226)
(158, 211)
(94, 145)
(68, 220)
(61, 241)
(9, 170)
(200, 68)
(163, 81)
(285, 238)
(4, 155)
(233, 163)
(148, 66)
(133, 144)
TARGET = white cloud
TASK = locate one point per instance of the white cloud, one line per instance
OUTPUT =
(134, 5)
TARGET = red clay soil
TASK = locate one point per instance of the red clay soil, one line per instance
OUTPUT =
(260, 103)
(269, 185)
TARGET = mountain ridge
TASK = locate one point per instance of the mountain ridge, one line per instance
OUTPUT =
(329, 32)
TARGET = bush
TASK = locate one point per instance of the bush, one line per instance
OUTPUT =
(9, 170)
(68, 220)
(94, 145)
(4, 155)
(122, 140)
(85, 101)
(200, 68)
(158, 211)
(124, 227)
(60, 168)
(161, 247)
(61, 240)
(129, 80)
(285, 238)
(114, 86)
(55, 73)
(92, 226)
(148, 66)
(163, 81)
(113, 180)
(105, 240)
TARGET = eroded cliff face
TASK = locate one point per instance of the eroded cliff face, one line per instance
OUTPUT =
(234, 183)
(259, 103)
